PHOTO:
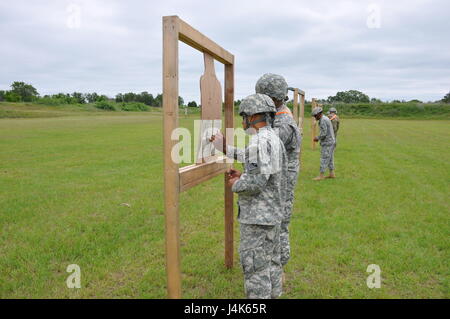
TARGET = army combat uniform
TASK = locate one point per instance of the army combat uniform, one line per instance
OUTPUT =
(327, 143)
(287, 130)
(289, 133)
(261, 190)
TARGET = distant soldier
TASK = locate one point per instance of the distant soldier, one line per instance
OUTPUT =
(327, 143)
(276, 87)
(332, 115)
(262, 193)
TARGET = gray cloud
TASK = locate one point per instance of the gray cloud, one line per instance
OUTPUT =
(321, 47)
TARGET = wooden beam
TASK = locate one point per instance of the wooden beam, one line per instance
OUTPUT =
(295, 106)
(229, 203)
(171, 177)
(302, 111)
(195, 174)
(197, 40)
(313, 125)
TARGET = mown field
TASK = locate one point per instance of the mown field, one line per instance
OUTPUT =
(63, 181)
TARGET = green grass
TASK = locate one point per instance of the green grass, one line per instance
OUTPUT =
(63, 180)
(33, 110)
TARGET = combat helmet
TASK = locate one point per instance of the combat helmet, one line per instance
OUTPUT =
(272, 85)
(257, 104)
(333, 110)
(316, 111)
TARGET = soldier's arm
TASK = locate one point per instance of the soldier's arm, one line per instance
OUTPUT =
(250, 184)
(236, 153)
(323, 130)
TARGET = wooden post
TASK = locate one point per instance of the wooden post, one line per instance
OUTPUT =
(302, 111)
(229, 123)
(295, 106)
(313, 125)
(171, 174)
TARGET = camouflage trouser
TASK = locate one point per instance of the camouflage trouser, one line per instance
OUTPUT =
(284, 231)
(327, 158)
(259, 252)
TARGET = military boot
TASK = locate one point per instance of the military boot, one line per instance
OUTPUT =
(331, 175)
(319, 178)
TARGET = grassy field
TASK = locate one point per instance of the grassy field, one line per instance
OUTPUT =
(63, 181)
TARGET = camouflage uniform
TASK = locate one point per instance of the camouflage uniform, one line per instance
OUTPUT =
(335, 122)
(289, 133)
(327, 142)
(261, 190)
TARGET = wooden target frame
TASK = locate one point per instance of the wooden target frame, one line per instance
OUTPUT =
(299, 108)
(177, 180)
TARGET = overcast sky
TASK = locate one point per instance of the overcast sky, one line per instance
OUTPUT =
(387, 49)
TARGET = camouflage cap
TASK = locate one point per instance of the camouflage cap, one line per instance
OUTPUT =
(272, 85)
(332, 110)
(257, 103)
(316, 111)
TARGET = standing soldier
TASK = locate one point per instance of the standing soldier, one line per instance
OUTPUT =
(332, 115)
(327, 143)
(262, 193)
(276, 87)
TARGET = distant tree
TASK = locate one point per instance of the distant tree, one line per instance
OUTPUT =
(237, 102)
(158, 101)
(145, 98)
(91, 97)
(11, 96)
(119, 98)
(26, 92)
(375, 100)
(2, 95)
(129, 97)
(396, 101)
(78, 97)
(102, 98)
(415, 101)
(446, 98)
(351, 96)
(192, 104)
(180, 101)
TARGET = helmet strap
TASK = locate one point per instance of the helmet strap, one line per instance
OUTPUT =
(263, 119)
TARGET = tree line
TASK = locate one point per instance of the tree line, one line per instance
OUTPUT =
(23, 92)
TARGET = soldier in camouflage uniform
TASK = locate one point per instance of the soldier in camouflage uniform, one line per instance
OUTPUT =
(334, 118)
(285, 126)
(261, 189)
(327, 143)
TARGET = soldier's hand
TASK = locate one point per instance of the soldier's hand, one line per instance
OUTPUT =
(316, 139)
(232, 173)
(232, 180)
(219, 142)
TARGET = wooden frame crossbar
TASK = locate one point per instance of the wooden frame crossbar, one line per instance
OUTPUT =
(178, 179)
